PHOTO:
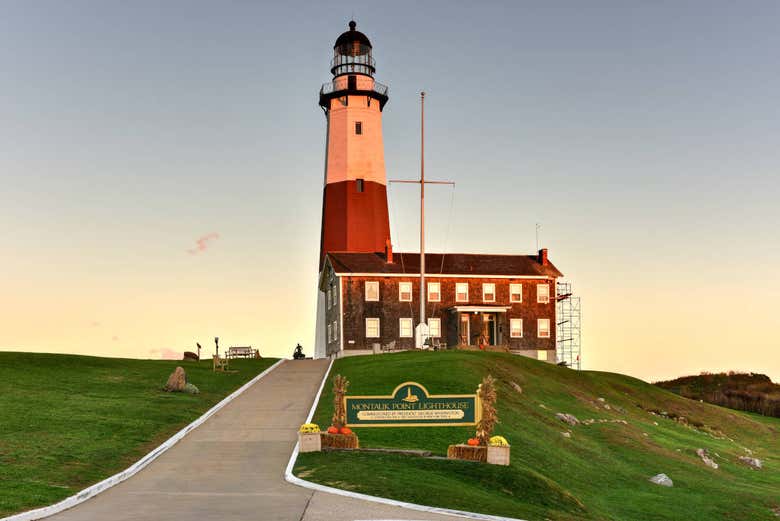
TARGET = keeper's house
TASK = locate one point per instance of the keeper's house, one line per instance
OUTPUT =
(372, 302)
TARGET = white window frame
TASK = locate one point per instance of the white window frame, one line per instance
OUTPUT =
(539, 322)
(485, 285)
(512, 329)
(438, 286)
(542, 299)
(335, 330)
(330, 334)
(515, 286)
(371, 284)
(401, 292)
(401, 322)
(437, 332)
(328, 297)
(334, 295)
(457, 292)
(376, 321)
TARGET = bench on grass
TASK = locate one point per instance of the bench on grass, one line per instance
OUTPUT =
(243, 352)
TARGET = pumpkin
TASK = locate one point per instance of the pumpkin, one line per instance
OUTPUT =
(473, 442)
(346, 431)
(332, 430)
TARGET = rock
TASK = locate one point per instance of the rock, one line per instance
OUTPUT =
(602, 400)
(176, 381)
(191, 388)
(516, 387)
(566, 434)
(663, 480)
(607, 407)
(189, 355)
(543, 406)
(753, 463)
(705, 457)
(567, 418)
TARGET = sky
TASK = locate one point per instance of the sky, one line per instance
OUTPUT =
(161, 167)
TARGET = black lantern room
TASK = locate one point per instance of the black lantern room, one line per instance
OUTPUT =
(352, 54)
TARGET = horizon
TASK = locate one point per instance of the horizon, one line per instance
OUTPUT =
(162, 169)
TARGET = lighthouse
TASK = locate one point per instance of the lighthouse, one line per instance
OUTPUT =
(354, 198)
(354, 203)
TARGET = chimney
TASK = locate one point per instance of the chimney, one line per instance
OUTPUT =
(543, 257)
(388, 252)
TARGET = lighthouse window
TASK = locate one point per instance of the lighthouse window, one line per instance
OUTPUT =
(358, 127)
(359, 185)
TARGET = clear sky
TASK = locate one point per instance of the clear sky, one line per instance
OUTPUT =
(644, 136)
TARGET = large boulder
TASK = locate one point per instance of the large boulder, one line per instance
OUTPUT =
(663, 480)
(189, 355)
(176, 381)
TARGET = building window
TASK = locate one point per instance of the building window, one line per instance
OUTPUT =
(358, 127)
(327, 296)
(405, 328)
(434, 292)
(372, 328)
(542, 293)
(515, 293)
(516, 327)
(330, 334)
(543, 328)
(405, 291)
(541, 355)
(434, 327)
(372, 291)
(461, 292)
(359, 185)
(335, 330)
(489, 292)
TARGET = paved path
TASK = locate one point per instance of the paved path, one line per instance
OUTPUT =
(232, 466)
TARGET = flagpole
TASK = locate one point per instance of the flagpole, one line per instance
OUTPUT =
(423, 321)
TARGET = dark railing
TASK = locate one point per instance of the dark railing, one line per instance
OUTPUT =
(330, 87)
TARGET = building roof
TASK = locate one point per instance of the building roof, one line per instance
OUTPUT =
(443, 264)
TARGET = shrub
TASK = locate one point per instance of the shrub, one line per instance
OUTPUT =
(191, 389)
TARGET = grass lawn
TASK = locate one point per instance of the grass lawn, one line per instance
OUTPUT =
(67, 422)
(601, 472)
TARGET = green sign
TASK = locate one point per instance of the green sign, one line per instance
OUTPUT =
(410, 405)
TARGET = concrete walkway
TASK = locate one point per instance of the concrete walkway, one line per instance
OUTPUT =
(232, 466)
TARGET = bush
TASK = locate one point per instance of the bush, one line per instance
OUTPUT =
(191, 389)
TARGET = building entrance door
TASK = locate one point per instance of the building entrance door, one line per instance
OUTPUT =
(489, 328)
(465, 335)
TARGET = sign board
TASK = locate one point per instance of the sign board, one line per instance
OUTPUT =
(410, 405)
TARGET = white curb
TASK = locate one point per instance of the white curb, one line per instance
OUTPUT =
(97, 488)
(290, 478)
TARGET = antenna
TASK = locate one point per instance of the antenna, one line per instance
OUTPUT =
(538, 227)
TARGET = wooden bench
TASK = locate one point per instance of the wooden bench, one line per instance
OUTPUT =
(243, 352)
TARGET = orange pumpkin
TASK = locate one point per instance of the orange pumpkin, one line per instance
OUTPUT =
(332, 430)
(346, 430)
(473, 442)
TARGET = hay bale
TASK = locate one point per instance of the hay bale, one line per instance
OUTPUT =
(467, 452)
(340, 441)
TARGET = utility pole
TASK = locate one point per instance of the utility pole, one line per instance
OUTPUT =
(422, 324)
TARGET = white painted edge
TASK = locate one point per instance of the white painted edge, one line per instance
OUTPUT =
(290, 478)
(97, 488)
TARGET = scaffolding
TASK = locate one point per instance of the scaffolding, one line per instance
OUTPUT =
(568, 322)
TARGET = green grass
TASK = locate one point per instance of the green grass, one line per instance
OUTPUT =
(600, 472)
(67, 422)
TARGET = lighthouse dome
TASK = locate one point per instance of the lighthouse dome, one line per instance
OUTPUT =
(352, 53)
(349, 38)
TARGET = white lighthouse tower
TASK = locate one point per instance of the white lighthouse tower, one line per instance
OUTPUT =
(354, 204)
